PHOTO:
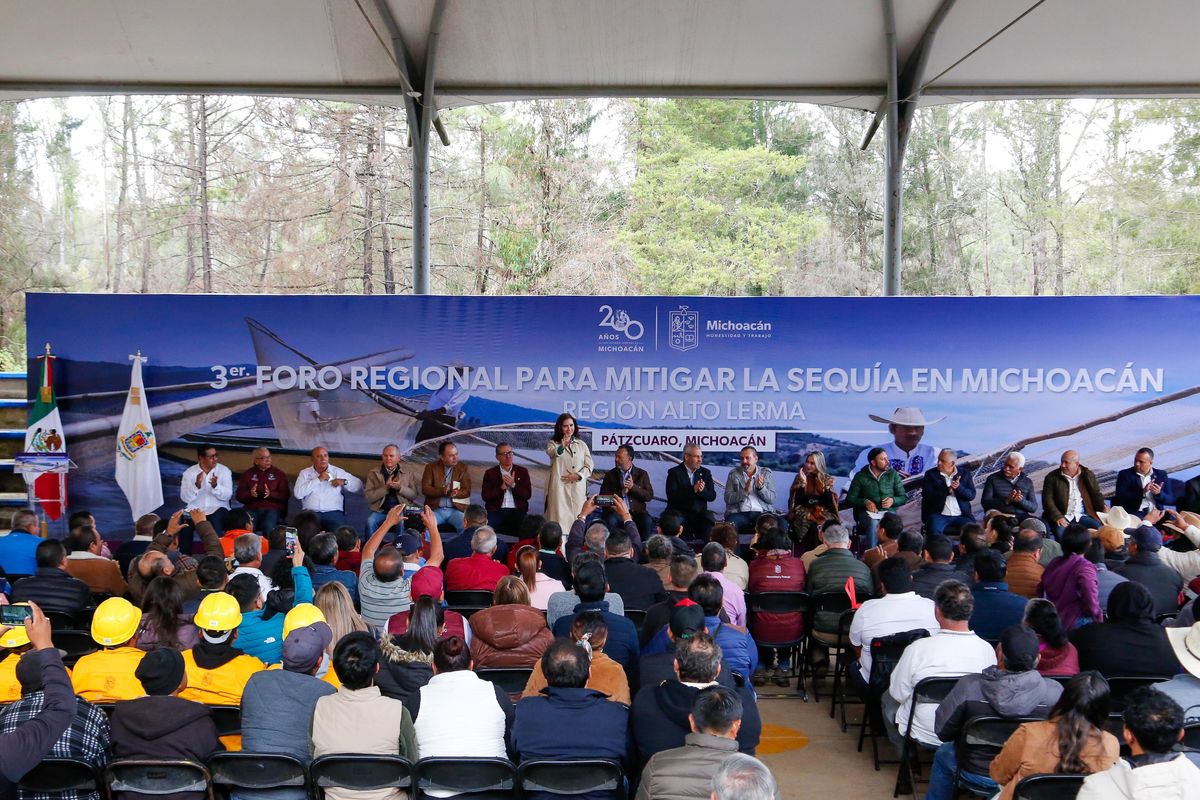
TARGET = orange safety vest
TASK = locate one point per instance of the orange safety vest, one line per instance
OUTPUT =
(107, 676)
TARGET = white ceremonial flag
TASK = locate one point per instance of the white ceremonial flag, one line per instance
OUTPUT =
(137, 449)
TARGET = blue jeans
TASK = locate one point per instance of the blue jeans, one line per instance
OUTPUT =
(449, 516)
(1057, 530)
(868, 530)
(939, 522)
(332, 520)
(265, 519)
(743, 521)
(941, 777)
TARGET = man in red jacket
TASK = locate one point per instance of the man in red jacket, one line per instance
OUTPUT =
(264, 492)
(506, 491)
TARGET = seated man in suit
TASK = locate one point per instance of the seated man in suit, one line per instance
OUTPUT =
(633, 485)
(1010, 491)
(505, 492)
(1142, 487)
(690, 488)
(1071, 494)
(946, 495)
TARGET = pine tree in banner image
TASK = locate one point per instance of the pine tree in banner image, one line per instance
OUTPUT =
(137, 449)
(45, 435)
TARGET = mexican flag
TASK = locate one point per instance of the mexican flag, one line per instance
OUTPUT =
(45, 435)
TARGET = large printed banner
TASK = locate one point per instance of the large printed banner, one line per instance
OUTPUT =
(785, 375)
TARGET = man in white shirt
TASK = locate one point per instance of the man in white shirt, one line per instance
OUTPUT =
(319, 488)
(749, 492)
(951, 651)
(905, 452)
(900, 609)
(206, 485)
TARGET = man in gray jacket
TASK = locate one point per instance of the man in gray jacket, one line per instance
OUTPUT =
(749, 492)
(278, 704)
(1013, 689)
(685, 773)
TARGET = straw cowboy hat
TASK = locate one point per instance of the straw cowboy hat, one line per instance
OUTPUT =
(906, 416)
(1188, 519)
(1118, 518)
(1186, 644)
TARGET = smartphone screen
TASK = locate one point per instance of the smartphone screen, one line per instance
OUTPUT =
(15, 615)
(289, 547)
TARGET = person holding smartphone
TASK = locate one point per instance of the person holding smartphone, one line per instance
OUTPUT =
(946, 494)
(24, 748)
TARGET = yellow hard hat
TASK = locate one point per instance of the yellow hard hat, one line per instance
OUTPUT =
(115, 621)
(301, 616)
(218, 611)
(16, 636)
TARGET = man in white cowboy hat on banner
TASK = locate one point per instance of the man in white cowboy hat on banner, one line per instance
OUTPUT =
(905, 452)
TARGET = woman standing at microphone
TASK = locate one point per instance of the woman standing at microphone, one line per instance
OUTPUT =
(570, 466)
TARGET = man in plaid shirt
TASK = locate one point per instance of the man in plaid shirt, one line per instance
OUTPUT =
(87, 738)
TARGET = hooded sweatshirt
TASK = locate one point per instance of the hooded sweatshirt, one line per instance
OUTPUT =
(163, 728)
(993, 693)
(402, 671)
(508, 636)
(660, 718)
(1173, 779)
(1129, 643)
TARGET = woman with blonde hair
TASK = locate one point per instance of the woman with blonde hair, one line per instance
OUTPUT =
(570, 466)
(811, 500)
(539, 584)
(511, 633)
(335, 603)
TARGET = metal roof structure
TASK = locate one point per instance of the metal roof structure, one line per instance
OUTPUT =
(874, 55)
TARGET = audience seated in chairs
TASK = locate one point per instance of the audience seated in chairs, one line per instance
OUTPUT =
(661, 713)
(1145, 567)
(323, 552)
(889, 530)
(458, 714)
(1058, 656)
(736, 568)
(52, 587)
(1106, 579)
(1185, 687)
(541, 586)
(996, 608)
(87, 562)
(951, 651)
(217, 671)
(164, 623)
(108, 675)
(687, 772)
(562, 604)
(24, 748)
(86, 738)
(358, 718)
(480, 571)
(160, 724)
(606, 676)
(1070, 580)
(590, 586)
(1025, 569)
(639, 585)
(384, 583)
(683, 570)
(1012, 689)
(938, 566)
(511, 633)
(740, 651)
(743, 777)
(775, 569)
(407, 658)
(338, 610)
(277, 703)
(898, 609)
(1073, 740)
(687, 620)
(713, 561)
(1153, 726)
(1128, 643)
(568, 720)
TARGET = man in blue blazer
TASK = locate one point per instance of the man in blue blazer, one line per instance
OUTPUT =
(1141, 487)
(945, 483)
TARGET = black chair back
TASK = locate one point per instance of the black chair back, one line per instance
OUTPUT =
(228, 719)
(1120, 687)
(62, 775)
(468, 602)
(145, 776)
(985, 737)
(885, 655)
(780, 602)
(60, 621)
(1191, 736)
(1048, 787)
(345, 771)
(480, 777)
(74, 644)
(256, 771)
(509, 679)
(572, 777)
(637, 616)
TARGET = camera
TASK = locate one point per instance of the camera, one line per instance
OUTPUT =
(15, 615)
(605, 500)
(412, 511)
